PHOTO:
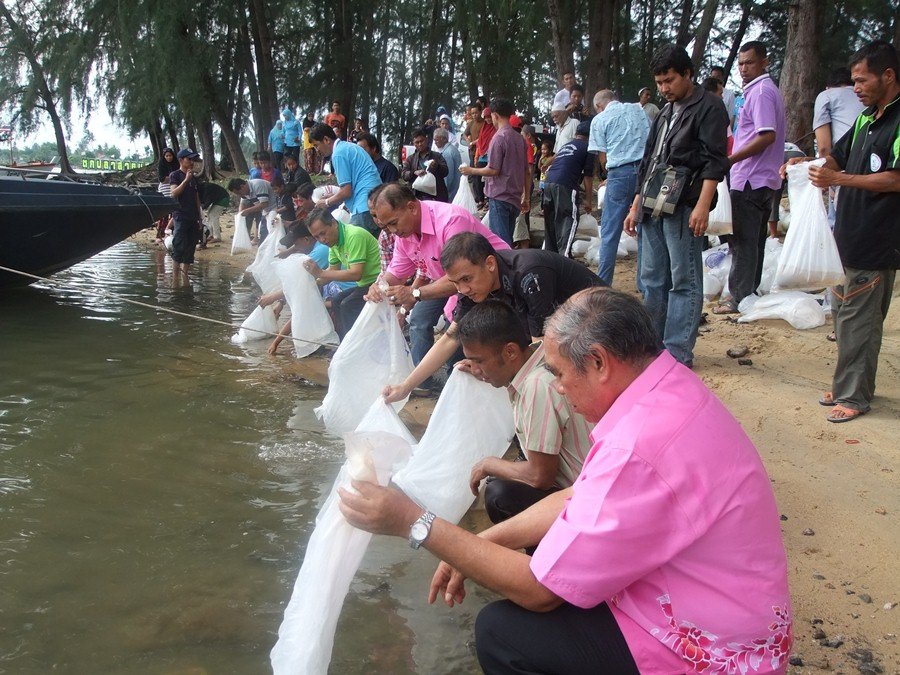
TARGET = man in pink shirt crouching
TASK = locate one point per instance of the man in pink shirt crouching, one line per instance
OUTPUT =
(664, 557)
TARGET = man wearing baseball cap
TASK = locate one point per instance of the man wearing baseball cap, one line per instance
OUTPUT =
(187, 216)
(572, 166)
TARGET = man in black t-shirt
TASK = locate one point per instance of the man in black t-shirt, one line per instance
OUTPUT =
(572, 166)
(187, 215)
(533, 282)
(865, 163)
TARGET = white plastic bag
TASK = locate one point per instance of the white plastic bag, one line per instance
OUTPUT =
(464, 196)
(601, 196)
(426, 183)
(770, 265)
(593, 253)
(311, 326)
(720, 219)
(241, 241)
(262, 269)
(587, 225)
(486, 221)
(341, 214)
(372, 355)
(471, 421)
(260, 325)
(628, 243)
(324, 192)
(810, 259)
(580, 247)
(335, 549)
(799, 309)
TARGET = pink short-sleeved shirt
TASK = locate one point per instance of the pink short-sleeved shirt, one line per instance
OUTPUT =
(440, 221)
(673, 523)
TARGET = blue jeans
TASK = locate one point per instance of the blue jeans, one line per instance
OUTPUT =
(365, 221)
(422, 320)
(672, 275)
(502, 219)
(620, 189)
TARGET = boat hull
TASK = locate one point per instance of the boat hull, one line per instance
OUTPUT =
(47, 225)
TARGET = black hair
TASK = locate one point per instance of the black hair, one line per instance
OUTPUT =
(469, 246)
(278, 181)
(492, 323)
(756, 46)
(671, 57)
(306, 190)
(577, 87)
(712, 84)
(264, 156)
(395, 194)
(322, 215)
(419, 133)
(236, 184)
(298, 229)
(721, 69)
(371, 140)
(254, 156)
(503, 107)
(476, 104)
(320, 132)
(879, 57)
(839, 77)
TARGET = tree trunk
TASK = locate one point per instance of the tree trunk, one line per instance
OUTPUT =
(172, 131)
(701, 37)
(897, 26)
(600, 30)
(260, 118)
(191, 136)
(684, 24)
(798, 76)
(560, 12)
(207, 149)
(343, 55)
(746, 6)
(265, 68)
(651, 30)
(26, 44)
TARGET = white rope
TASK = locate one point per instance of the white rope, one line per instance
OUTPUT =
(105, 293)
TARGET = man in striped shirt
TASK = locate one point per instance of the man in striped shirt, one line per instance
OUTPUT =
(554, 439)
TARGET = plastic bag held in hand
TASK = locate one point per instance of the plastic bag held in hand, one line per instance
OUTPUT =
(809, 259)
(260, 325)
(335, 549)
(372, 355)
(241, 241)
(311, 326)
(464, 197)
(262, 269)
(720, 221)
(471, 421)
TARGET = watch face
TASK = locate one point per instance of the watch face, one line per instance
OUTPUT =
(419, 531)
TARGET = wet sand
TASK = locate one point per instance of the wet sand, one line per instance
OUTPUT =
(837, 486)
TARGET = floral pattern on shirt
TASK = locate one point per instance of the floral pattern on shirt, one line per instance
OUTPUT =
(701, 650)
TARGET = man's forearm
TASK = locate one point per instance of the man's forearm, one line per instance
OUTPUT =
(340, 196)
(437, 356)
(442, 288)
(340, 275)
(762, 141)
(885, 181)
(522, 472)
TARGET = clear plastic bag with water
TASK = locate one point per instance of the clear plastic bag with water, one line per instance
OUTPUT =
(464, 196)
(260, 325)
(241, 241)
(311, 326)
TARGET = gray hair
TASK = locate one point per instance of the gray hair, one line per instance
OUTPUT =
(601, 316)
(603, 97)
(440, 132)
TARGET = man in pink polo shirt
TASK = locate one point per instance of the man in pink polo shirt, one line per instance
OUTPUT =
(664, 557)
(422, 228)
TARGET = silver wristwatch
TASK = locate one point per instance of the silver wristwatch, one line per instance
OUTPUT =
(417, 293)
(420, 530)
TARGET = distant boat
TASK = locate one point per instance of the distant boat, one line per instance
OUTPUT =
(49, 225)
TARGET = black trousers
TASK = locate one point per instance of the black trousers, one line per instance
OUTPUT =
(750, 212)
(503, 498)
(347, 305)
(566, 641)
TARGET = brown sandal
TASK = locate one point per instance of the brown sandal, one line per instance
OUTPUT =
(827, 399)
(840, 414)
(725, 308)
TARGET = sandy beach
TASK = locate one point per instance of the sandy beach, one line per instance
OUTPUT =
(837, 486)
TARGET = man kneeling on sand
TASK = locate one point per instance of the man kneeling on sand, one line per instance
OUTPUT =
(554, 439)
(665, 556)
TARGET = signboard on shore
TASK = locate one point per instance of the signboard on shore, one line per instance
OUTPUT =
(109, 164)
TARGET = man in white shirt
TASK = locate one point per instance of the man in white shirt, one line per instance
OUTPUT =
(563, 95)
(835, 110)
(565, 126)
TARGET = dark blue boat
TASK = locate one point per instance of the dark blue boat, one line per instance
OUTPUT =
(49, 225)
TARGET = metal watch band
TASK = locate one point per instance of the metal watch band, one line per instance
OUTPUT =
(425, 519)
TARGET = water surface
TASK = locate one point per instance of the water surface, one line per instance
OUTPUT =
(158, 485)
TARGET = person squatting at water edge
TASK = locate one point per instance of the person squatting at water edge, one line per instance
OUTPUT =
(534, 282)
(665, 556)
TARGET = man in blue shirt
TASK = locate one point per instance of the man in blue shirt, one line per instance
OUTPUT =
(276, 144)
(619, 133)
(355, 172)
(573, 164)
(291, 133)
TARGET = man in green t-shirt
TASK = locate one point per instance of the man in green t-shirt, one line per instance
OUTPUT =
(353, 256)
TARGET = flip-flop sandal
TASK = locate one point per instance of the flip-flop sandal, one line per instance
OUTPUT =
(831, 337)
(847, 414)
(827, 399)
(725, 309)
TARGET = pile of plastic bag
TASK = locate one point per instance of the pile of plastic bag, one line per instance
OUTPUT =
(374, 346)
(799, 309)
